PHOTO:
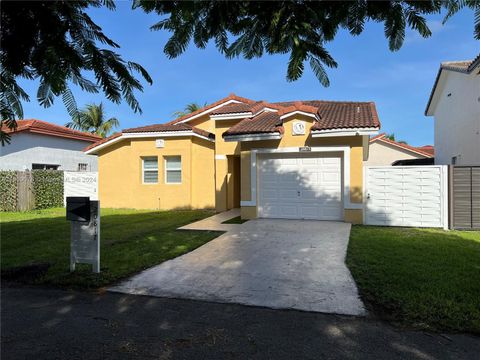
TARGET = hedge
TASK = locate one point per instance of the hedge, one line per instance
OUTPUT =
(8, 190)
(48, 188)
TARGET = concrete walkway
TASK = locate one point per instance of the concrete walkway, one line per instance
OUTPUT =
(214, 223)
(286, 264)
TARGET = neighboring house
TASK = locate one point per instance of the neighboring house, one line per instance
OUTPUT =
(455, 104)
(294, 160)
(37, 144)
(384, 152)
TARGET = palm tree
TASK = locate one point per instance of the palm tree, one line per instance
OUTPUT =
(92, 119)
(189, 108)
(392, 137)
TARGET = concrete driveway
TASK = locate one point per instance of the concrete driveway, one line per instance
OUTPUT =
(287, 264)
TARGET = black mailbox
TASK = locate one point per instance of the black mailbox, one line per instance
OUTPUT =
(78, 208)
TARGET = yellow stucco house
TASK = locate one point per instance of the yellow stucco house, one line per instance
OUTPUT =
(294, 160)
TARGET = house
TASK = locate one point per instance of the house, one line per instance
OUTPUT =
(455, 105)
(385, 152)
(37, 144)
(298, 160)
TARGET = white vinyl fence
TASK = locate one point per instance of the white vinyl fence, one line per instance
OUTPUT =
(406, 196)
(81, 184)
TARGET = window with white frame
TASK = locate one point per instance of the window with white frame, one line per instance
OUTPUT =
(150, 170)
(173, 170)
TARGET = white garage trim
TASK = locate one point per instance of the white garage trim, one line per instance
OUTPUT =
(346, 171)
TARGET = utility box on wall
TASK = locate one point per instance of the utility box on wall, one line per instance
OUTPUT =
(84, 215)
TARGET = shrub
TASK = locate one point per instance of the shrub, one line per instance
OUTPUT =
(8, 190)
(48, 188)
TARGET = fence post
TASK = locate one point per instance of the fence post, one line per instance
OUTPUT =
(446, 196)
(450, 196)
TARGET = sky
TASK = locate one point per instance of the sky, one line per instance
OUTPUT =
(398, 82)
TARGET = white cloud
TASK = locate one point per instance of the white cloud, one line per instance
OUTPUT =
(435, 26)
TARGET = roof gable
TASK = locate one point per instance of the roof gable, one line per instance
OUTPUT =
(464, 66)
(232, 98)
(426, 150)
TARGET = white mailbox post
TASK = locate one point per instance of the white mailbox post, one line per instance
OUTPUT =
(84, 215)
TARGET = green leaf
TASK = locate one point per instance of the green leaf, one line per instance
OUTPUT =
(395, 27)
(295, 64)
(70, 103)
(319, 71)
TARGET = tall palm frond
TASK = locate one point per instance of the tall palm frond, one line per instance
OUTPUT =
(189, 108)
(92, 119)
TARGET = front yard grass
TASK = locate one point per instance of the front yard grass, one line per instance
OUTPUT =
(35, 246)
(425, 278)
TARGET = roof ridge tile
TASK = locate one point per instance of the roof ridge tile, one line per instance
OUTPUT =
(48, 128)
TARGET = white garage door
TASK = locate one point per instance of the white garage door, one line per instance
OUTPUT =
(406, 196)
(300, 186)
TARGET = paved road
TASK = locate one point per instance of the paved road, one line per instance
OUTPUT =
(53, 324)
(280, 264)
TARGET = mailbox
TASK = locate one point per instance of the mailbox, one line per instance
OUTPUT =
(78, 208)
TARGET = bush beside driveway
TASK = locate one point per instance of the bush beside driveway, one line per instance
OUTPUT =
(425, 278)
(35, 246)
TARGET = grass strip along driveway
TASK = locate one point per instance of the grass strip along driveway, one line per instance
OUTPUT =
(427, 278)
(35, 246)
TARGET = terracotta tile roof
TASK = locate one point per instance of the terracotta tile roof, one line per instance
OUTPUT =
(456, 65)
(264, 123)
(259, 105)
(298, 106)
(232, 96)
(340, 115)
(426, 150)
(372, 139)
(331, 115)
(169, 127)
(111, 137)
(463, 66)
(232, 108)
(475, 63)
(46, 128)
(154, 128)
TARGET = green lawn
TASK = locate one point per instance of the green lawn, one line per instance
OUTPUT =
(424, 278)
(131, 241)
